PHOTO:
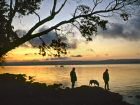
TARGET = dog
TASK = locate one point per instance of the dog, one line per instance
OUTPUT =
(95, 82)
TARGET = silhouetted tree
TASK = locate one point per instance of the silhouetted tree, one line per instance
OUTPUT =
(86, 18)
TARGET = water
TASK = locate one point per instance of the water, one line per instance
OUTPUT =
(124, 78)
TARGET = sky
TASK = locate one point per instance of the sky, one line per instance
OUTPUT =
(121, 40)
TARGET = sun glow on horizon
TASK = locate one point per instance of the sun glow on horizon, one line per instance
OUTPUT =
(117, 45)
(98, 49)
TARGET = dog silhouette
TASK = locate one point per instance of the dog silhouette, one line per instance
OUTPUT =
(95, 82)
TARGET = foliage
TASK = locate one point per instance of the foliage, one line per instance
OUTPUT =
(86, 18)
(57, 45)
(26, 7)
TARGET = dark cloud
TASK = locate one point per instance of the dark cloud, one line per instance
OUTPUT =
(129, 31)
(60, 58)
(106, 54)
(72, 44)
(27, 54)
(53, 36)
(76, 55)
(36, 41)
(46, 38)
(20, 32)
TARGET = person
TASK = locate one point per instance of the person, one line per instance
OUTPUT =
(106, 79)
(73, 77)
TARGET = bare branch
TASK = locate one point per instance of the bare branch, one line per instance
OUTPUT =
(46, 19)
(113, 6)
(109, 5)
(61, 7)
(76, 25)
(95, 5)
(12, 11)
(37, 15)
(69, 21)
(94, 1)
(104, 15)
(75, 12)
(40, 23)
(54, 7)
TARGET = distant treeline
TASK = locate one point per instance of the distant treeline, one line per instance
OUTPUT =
(76, 62)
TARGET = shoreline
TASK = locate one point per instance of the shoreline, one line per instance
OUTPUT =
(17, 90)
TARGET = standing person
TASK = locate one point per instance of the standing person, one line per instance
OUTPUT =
(106, 79)
(73, 77)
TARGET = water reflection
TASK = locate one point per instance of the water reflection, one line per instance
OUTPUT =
(121, 76)
(124, 79)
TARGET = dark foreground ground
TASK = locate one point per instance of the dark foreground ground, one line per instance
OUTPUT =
(20, 90)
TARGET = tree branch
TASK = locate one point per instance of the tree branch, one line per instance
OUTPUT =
(109, 5)
(61, 7)
(117, 5)
(53, 14)
(40, 23)
(12, 11)
(54, 7)
(95, 4)
(37, 16)
(67, 21)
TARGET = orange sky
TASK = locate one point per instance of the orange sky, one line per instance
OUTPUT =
(98, 49)
(112, 47)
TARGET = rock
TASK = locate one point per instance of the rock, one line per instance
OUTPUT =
(15, 91)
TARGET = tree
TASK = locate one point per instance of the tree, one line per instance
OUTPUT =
(86, 18)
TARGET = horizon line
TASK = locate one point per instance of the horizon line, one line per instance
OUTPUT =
(74, 62)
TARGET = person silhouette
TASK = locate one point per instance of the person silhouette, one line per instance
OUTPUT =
(106, 79)
(73, 77)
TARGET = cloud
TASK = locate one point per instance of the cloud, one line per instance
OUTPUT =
(76, 55)
(60, 58)
(129, 31)
(91, 50)
(28, 54)
(106, 54)
(26, 45)
(138, 53)
(36, 41)
(20, 32)
(47, 38)
(72, 44)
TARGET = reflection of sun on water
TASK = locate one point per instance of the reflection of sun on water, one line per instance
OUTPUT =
(120, 75)
(123, 78)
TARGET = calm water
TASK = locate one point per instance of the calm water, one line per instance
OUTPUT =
(124, 79)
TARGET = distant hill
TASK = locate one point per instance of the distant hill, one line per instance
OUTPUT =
(75, 62)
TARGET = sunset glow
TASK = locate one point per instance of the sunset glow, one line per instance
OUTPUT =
(120, 41)
(98, 49)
